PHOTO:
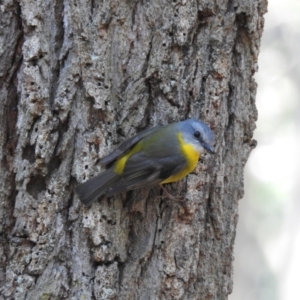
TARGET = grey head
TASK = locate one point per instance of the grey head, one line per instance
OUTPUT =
(198, 133)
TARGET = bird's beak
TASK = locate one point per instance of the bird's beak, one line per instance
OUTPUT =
(209, 148)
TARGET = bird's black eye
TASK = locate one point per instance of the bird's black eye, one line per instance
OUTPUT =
(197, 134)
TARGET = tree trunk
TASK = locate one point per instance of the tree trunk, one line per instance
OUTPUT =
(78, 77)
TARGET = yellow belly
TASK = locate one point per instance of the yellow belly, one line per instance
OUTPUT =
(192, 157)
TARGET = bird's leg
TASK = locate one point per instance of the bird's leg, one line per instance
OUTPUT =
(174, 198)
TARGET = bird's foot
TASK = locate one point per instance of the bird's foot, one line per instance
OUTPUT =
(171, 197)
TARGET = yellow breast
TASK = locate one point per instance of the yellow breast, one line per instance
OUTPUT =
(192, 157)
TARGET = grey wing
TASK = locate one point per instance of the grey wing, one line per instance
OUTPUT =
(125, 146)
(141, 171)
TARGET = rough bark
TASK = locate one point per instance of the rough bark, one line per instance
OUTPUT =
(77, 77)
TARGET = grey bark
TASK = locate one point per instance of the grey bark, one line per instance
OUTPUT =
(76, 79)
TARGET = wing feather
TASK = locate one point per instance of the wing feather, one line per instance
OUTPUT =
(140, 171)
(127, 145)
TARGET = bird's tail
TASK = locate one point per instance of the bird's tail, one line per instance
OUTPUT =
(97, 186)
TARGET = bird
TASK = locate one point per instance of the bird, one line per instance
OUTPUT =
(157, 155)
